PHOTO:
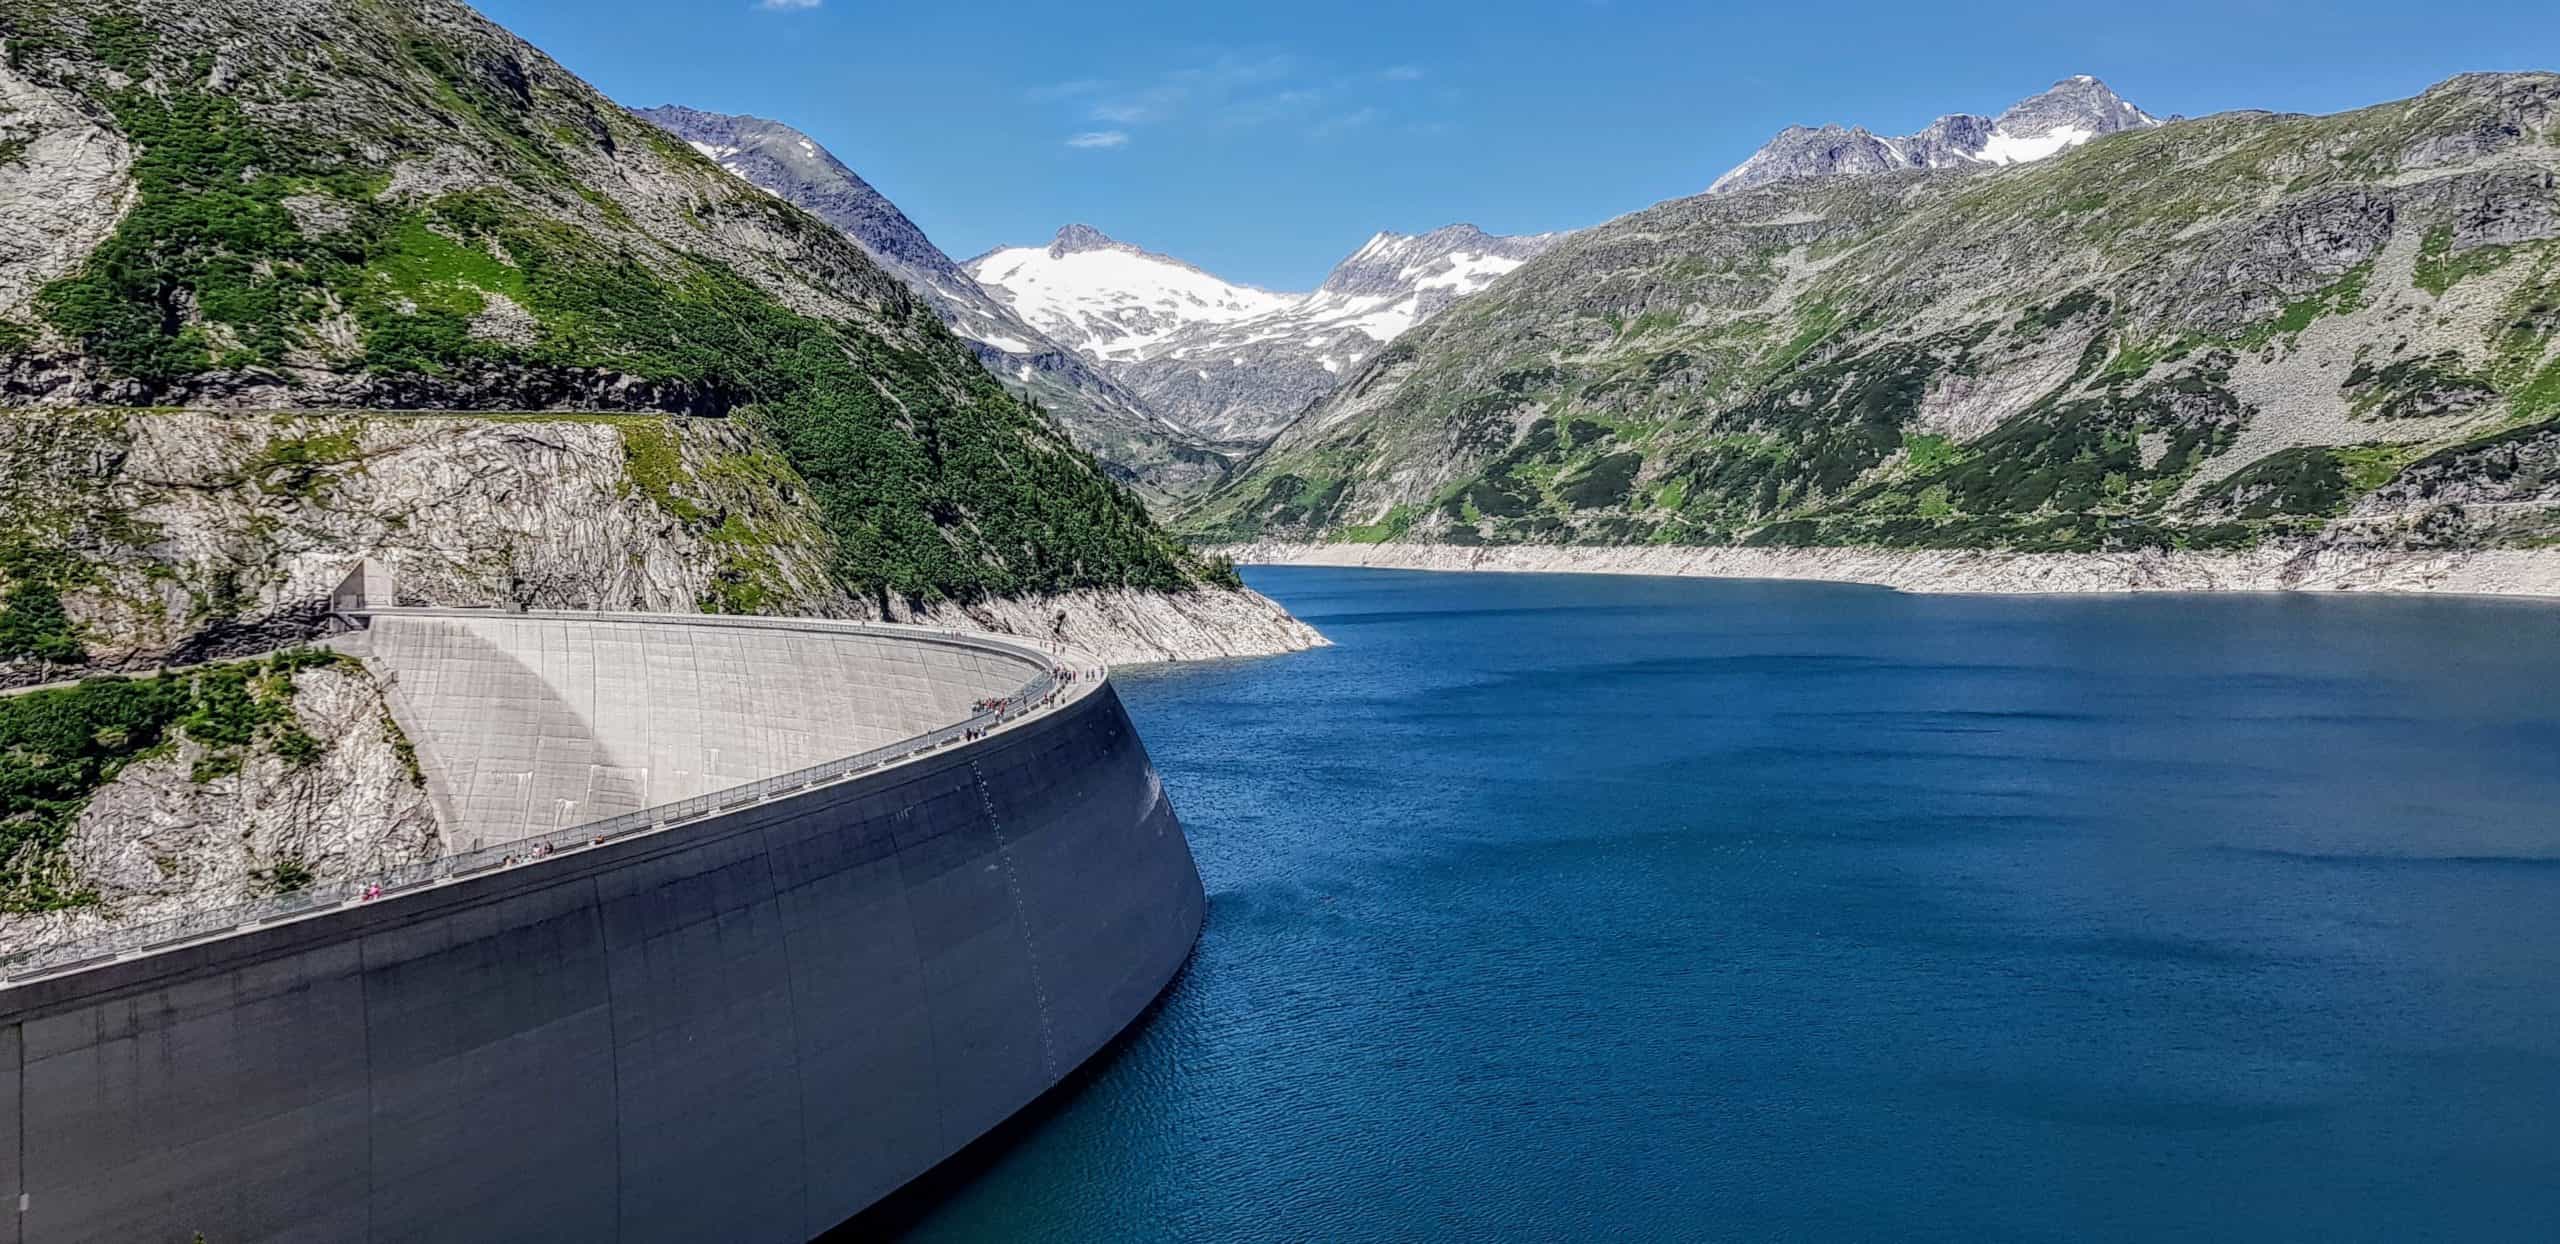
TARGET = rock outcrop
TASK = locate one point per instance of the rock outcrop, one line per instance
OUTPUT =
(2065, 115)
(194, 825)
(65, 181)
(1138, 627)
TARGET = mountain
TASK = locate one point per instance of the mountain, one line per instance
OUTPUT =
(1111, 300)
(1104, 418)
(2070, 113)
(2242, 332)
(1235, 361)
(287, 285)
(1247, 378)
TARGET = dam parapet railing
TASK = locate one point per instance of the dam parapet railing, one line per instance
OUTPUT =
(1054, 680)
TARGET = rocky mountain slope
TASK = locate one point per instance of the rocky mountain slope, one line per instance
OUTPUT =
(398, 205)
(204, 534)
(286, 285)
(1102, 417)
(1235, 361)
(134, 801)
(2067, 114)
(2243, 334)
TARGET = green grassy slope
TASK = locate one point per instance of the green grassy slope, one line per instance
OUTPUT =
(395, 204)
(2209, 335)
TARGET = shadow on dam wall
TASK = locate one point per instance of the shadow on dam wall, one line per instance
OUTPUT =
(903, 1210)
(747, 1028)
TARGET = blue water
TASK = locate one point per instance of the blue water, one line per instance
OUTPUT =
(1578, 907)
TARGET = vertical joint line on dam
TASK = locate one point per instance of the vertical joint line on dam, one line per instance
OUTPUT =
(1021, 920)
(18, 1200)
(791, 1003)
(612, 1035)
(372, 1098)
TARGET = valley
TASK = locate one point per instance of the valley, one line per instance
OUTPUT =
(2245, 336)
(562, 660)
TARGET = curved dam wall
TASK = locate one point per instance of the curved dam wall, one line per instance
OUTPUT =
(526, 724)
(748, 1027)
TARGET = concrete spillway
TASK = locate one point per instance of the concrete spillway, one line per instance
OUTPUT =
(746, 1027)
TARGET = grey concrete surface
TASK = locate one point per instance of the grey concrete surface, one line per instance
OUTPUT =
(528, 724)
(747, 1028)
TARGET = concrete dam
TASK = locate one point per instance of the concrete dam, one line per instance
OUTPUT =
(749, 923)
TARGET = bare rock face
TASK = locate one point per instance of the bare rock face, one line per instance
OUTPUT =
(2063, 116)
(1124, 627)
(165, 838)
(200, 535)
(2244, 276)
(2502, 491)
(64, 182)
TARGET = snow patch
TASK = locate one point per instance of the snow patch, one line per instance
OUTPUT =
(2004, 147)
(1115, 300)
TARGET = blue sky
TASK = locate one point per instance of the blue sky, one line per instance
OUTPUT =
(1264, 141)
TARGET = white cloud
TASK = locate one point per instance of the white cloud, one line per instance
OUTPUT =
(1341, 122)
(1155, 103)
(788, 6)
(1169, 95)
(1073, 88)
(1224, 90)
(1275, 106)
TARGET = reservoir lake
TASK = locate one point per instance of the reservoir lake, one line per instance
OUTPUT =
(1551, 907)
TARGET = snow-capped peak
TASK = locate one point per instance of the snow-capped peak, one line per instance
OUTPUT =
(1232, 359)
(1108, 299)
(1398, 262)
(2065, 115)
(1072, 239)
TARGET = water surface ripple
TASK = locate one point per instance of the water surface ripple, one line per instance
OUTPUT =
(1550, 907)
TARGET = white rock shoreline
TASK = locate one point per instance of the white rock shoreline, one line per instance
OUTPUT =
(1127, 626)
(2301, 568)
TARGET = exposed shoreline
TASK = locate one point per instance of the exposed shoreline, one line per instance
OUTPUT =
(2301, 568)
(1127, 626)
